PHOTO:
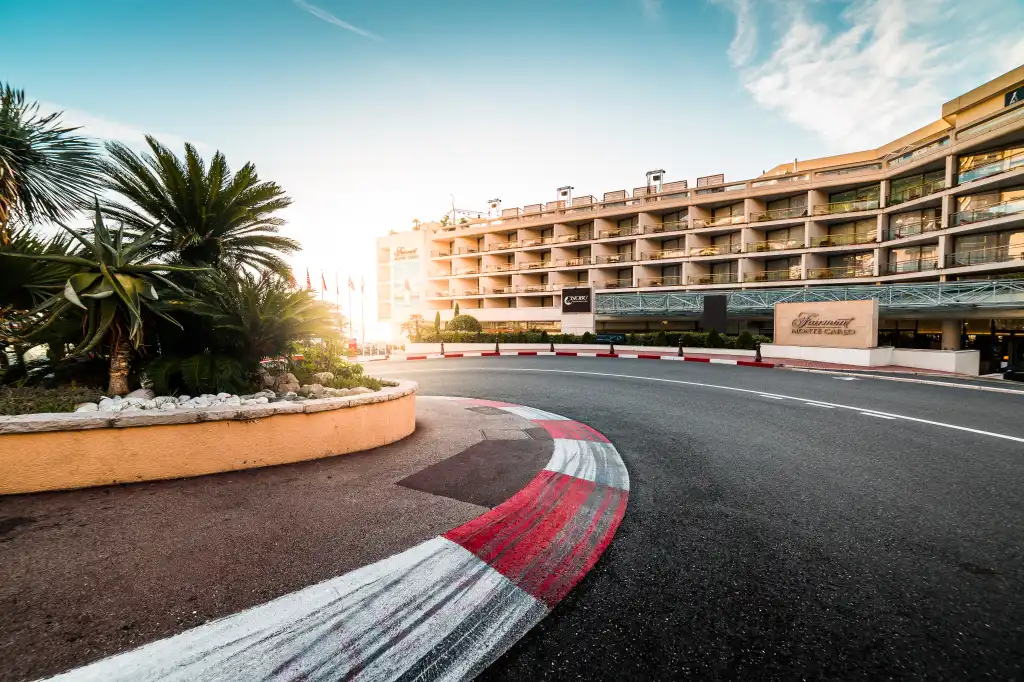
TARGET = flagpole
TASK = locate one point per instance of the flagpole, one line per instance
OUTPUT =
(362, 322)
(350, 315)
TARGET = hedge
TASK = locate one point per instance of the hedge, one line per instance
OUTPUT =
(744, 341)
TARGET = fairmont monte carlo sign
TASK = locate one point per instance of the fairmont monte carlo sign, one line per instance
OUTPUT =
(837, 324)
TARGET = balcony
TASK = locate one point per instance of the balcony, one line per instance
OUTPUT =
(909, 229)
(613, 258)
(615, 284)
(779, 214)
(772, 276)
(1000, 210)
(723, 250)
(440, 254)
(844, 239)
(718, 278)
(992, 168)
(662, 255)
(916, 192)
(574, 262)
(470, 292)
(719, 221)
(538, 288)
(846, 207)
(500, 246)
(911, 265)
(995, 254)
(620, 232)
(507, 267)
(670, 226)
(503, 290)
(916, 154)
(466, 271)
(532, 242)
(671, 281)
(536, 265)
(463, 250)
(774, 245)
(841, 272)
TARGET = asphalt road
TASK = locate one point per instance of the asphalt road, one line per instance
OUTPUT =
(775, 533)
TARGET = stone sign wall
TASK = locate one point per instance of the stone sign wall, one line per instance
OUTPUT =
(835, 324)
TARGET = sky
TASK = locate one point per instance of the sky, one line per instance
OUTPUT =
(373, 113)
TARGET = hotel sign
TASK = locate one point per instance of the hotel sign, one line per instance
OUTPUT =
(405, 253)
(577, 300)
(836, 324)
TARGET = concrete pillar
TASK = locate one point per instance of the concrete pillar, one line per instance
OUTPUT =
(951, 334)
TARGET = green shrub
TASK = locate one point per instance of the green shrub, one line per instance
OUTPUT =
(715, 340)
(745, 340)
(587, 338)
(661, 339)
(32, 399)
(203, 373)
(463, 323)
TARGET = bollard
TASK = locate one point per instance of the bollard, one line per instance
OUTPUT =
(757, 352)
(611, 348)
(442, 348)
(552, 346)
(496, 350)
(680, 345)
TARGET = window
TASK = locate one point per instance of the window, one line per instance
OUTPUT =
(625, 252)
(585, 231)
(855, 232)
(724, 212)
(913, 258)
(976, 166)
(865, 193)
(627, 223)
(582, 277)
(671, 271)
(672, 244)
(624, 275)
(383, 311)
(782, 264)
(547, 302)
(725, 272)
(785, 234)
(547, 233)
(914, 222)
(727, 243)
(916, 186)
(795, 201)
(988, 205)
(511, 301)
(852, 261)
(674, 221)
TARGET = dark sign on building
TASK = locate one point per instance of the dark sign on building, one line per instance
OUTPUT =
(577, 300)
(1014, 96)
(714, 316)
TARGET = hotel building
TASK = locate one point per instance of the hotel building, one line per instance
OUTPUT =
(931, 224)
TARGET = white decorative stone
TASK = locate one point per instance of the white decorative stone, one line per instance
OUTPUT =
(142, 394)
(149, 405)
(262, 400)
(233, 401)
(168, 407)
(223, 396)
(184, 399)
(86, 407)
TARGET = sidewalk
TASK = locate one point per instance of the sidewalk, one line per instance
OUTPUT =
(94, 572)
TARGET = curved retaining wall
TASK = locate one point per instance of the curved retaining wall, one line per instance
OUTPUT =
(41, 452)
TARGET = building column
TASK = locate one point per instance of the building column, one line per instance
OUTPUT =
(951, 334)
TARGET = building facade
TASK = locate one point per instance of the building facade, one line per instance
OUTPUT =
(932, 224)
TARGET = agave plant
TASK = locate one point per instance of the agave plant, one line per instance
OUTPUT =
(115, 283)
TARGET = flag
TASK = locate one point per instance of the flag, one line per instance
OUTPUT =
(323, 281)
(309, 284)
(351, 285)
(362, 285)
(291, 279)
(337, 286)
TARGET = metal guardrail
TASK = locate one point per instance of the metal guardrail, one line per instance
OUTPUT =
(990, 212)
(911, 265)
(779, 214)
(770, 245)
(916, 192)
(846, 207)
(840, 272)
(995, 293)
(996, 167)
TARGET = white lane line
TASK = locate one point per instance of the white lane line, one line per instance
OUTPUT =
(918, 420)
(876, 414)
(845, 378)
(773, 397)
(828, 407)
(908, 380)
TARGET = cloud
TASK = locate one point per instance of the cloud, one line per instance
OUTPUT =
(102, 128)
(321, 13)
(883, 73)
(652, 9)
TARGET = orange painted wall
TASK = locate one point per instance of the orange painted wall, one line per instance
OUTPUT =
(59, 460)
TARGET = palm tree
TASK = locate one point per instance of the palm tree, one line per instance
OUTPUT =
(46, 172)
(211, 217)
(114, 284)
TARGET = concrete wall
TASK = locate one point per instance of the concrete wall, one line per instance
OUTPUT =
(959, 361)
(91, 449)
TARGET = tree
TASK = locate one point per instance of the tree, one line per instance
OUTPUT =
(46, 172)
(437, 321)
(411, 327)
(211, 217)
(115, 284)
(456, 308)
(464, 323)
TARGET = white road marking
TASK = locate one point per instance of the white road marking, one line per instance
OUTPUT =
(775, 397)
(876, 414)
(908, 380)
(917, 420)
(845, 378)
(829, 407)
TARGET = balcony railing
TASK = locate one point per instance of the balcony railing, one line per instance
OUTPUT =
(503, 290)
(615, 284)
(532, 242)
(774, 245)
(912, 265)
(723, 250)
(773, 275)
(470, 292)
(574, 262)
(916, 192)
(666, 253)
(840, 272)
(613, 258)
(535, 265)
(846, 207)
(440, 254)
(538, 288)
(779, 214)
(844, 239)
(995, 254)
(719, 221)
(719, 278)
(620, 232)
(1003, 208)
(466, 271)
(501, 246)
(670, 226)
(991, 124)
(462, 250)
(670, 281)
(503, 267)
(909, 229)
(992, 168)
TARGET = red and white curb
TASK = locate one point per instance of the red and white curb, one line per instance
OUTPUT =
(589, 354)
(442, 610)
